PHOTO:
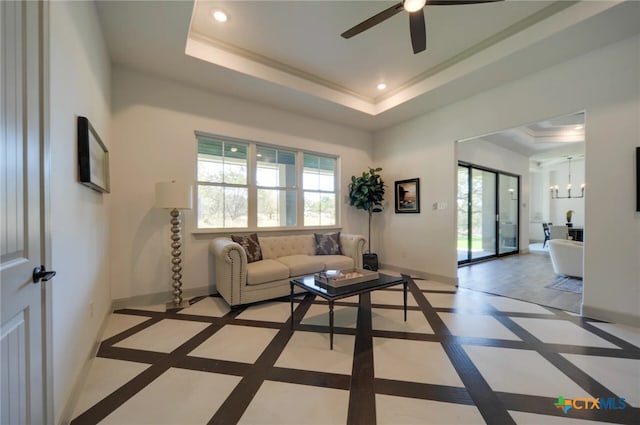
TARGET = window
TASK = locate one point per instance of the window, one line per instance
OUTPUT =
(223, 191)
(277, 189)
(250, 185)
(319, 190)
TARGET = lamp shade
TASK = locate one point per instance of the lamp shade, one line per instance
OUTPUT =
(172, 195)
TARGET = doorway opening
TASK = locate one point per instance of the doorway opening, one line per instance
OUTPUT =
(547, 161)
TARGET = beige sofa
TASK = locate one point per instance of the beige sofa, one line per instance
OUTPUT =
(284, 258)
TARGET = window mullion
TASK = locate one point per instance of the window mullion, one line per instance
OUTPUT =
(252, 206)
(337, 191)
(299, 188)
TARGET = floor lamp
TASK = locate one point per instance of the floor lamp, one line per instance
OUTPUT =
(175, 197)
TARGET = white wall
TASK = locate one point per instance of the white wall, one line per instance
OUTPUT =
(539, 203)
(543, 209)
(153, 141)
(79, 85)
(480, 152)
(606, 84)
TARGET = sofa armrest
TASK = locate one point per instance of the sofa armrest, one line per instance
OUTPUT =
(230, 269)
(353, 246)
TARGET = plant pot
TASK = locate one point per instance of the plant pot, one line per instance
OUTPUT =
(370, 261)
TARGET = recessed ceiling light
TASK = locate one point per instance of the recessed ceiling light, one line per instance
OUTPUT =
(234, 149)
(381, 86)
(219, 16)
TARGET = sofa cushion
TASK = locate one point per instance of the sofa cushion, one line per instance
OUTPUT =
(328, 243)
(266, 271)
(251, 246)
(302, 264)
(337, 262)
(274, 247)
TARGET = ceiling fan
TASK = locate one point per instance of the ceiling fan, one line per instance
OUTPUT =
(416, 19)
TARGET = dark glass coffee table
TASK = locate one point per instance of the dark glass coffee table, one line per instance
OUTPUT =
(331, 294)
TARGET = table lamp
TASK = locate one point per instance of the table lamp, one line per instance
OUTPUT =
(175, 197)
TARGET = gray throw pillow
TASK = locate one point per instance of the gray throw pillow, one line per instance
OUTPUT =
(251, 246)
(328, 244)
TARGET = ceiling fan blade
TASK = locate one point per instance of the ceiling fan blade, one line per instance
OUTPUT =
(418, 31)
(374, 20)
(454, 2)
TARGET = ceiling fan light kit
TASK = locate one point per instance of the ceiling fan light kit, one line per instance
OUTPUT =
(413, 5)
(417, 27)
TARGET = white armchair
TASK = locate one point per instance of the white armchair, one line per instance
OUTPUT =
(566, 257)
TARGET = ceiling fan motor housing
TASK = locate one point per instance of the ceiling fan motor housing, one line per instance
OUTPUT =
(417, 26)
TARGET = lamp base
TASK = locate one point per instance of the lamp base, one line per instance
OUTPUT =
(173, 306)
(176, 268)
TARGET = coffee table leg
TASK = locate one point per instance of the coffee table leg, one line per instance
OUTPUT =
(291, 301)
(331, 324)
(404, 285)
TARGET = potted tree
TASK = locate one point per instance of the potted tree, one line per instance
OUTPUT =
(366, 192)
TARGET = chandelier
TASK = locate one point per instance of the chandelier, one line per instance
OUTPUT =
(554, 189)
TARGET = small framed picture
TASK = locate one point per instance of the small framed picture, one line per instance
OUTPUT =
(93, 157)
(408, 196)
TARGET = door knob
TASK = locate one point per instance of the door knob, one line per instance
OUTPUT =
(40, 273)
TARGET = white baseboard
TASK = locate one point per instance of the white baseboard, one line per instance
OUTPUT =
(78, 386)
(611, 316)
(140, 300)
(423, 275)
(161, 297)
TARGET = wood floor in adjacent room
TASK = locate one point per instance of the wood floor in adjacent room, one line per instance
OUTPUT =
(462, 357)
(523, 277)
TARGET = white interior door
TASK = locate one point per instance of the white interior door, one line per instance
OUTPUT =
(22, 360)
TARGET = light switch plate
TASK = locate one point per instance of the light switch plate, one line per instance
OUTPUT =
(439, 205)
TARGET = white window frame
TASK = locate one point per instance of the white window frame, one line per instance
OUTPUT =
(318, 191)
(284, 188)
(252, 201)
(222, 184)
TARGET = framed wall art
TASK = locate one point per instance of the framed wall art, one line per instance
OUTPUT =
(407, 196)
(93, 157)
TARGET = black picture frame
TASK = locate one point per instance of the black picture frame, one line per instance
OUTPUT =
(93, 158)
(407, 196)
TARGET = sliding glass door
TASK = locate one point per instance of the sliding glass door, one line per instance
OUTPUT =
(508, 217)
(464, 219)
(483, 214)
(487, 213)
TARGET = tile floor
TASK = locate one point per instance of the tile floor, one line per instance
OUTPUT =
(463, 357)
